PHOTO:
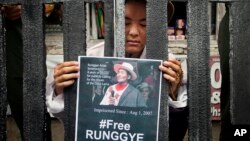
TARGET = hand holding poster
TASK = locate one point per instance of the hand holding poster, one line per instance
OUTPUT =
(118, 99)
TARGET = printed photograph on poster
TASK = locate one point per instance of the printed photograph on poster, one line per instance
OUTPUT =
(118, 99)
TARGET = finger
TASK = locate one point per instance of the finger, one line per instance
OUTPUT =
(173, 64)
(67, 64)
(168, 71)
(66, 70)
(174, 61)
(170, 75)
(66, 77)
(111, 100)
(64, 84)
(170, 78)
(59, 70)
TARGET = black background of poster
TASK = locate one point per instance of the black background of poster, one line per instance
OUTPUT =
(141, 120)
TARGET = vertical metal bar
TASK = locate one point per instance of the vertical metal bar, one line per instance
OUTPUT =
(198, 71)
(34, 72)
(157, 48)
(3, 87)
(240, 62)
(10, 1)
(120, 28)
(109, 27)
(74, 41)
(223, 0)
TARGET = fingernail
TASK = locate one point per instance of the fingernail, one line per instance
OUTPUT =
(166, 63)
(160, 67)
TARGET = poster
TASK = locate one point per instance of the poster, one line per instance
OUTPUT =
(118, 99)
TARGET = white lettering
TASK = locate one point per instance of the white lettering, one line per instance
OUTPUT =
(215, 98)
(109, 123)
(97, 136)
(124, 137)
(139, 137)
(106, 135)
(237, 132)
(120, 126)
(113, 135)
(240, 132)
(215, 112)
(214, 68)
(132, 136)
(127, 127)
(243, 131)
(89, 134)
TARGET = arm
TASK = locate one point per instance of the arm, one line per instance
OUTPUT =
(182, 91)
(173, 73)
(55, 104)
(176, 73)
(62, 76)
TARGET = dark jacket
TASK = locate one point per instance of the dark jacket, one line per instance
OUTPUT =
(131, 97)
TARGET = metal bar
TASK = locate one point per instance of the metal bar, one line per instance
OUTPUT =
(226, 0)
(3, 87)
(74, 42)
(42, 1)
(240, 62)
(87, 1)
(34, 73)
(198, 71)
(10, 1)
(208, 0)
(90, 1)
(157, 48)
(120, 29)
(109, 27)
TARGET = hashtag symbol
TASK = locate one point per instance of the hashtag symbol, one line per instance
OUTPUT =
(102, 124)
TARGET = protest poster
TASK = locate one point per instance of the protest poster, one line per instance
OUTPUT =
(118, 99)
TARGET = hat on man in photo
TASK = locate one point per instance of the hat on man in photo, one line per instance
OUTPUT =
(126, 66)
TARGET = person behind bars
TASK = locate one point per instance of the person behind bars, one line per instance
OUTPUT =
(66, 73)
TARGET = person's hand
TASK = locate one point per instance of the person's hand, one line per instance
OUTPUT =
(173, 73)
(111, 100)
(65, 75)
(12, 12)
